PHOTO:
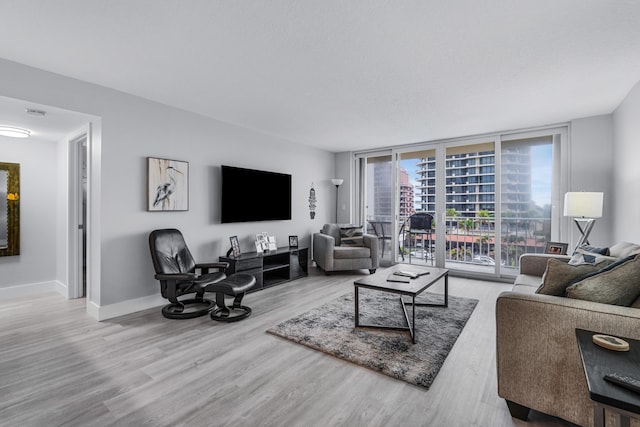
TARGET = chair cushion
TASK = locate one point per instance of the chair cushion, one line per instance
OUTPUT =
(351, 236)
(349, 252)
(559, 275)
(617, 284)
(206, 279)
(233, 285)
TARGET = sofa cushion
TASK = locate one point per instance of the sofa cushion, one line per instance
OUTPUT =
(528, 280)
(586, 254)
(351, 236)
(624, 249)
(617, 284)
(347, 252)
(559, 275)
(524, 289)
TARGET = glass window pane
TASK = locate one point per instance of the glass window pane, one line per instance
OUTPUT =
(526, 190)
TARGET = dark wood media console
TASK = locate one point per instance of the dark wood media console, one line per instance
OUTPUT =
(270, 268)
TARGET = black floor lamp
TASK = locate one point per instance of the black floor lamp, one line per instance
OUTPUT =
(337, 182)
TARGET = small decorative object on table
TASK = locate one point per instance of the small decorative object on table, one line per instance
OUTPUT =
(235, 246)
(556, 248)
(261, 242)
(271, 240)
(293, 241)
(398, 278)
(611, 342)
(410, 274)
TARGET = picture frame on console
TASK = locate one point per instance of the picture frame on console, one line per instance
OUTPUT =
(271, 246)
(262, 242)
(556, 248)
(235, 246)
(293, 241)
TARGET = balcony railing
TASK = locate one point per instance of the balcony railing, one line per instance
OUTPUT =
(470, 242)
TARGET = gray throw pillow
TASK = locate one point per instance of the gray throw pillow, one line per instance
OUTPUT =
(586, 254)
(624, 249)
(559, 275)
(351, 236)
(617, 284)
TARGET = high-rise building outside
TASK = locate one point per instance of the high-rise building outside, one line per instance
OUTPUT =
(407, 196)
(470, 182)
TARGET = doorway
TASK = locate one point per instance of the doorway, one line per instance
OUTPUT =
(78, 203)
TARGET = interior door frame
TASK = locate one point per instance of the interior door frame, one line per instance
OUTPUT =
(75, 218)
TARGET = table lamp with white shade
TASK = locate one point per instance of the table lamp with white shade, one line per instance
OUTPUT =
(584, 207)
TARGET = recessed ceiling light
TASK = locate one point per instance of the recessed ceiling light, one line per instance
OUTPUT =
(14, 132)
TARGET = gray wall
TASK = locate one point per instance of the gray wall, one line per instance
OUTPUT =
(591, 169)
(133, 128)
(626, 176)
(36, 263)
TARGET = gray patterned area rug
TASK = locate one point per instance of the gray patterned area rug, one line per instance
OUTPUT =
(330, 328)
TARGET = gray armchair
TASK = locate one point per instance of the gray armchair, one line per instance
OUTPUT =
(330, 255)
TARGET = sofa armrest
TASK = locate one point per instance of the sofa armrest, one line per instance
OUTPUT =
(536, 264)
(371, 242)
(538, 360)
(323, 246)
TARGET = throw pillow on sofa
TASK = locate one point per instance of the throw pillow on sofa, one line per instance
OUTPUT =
(624, 249)
(559, 275)
(617, 284)
(586, 254)
(351, 236)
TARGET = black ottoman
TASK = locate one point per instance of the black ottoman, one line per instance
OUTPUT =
(233, 286)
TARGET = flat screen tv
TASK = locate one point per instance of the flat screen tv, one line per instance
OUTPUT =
(254, 195)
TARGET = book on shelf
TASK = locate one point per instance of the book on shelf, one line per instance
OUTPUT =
(398, 279)
(411, 274)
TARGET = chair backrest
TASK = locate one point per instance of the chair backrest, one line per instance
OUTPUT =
(170, 253)
(420, 221)
(332, 230)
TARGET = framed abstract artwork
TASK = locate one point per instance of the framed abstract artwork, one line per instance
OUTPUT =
(167, 185)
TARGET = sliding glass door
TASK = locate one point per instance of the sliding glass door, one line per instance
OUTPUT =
(469, 210)
(526, 198)
(472, 205)
(378, 201)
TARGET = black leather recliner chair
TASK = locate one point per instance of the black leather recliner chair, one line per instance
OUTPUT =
(177, 272)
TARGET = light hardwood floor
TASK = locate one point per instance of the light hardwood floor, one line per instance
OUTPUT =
(59, 367)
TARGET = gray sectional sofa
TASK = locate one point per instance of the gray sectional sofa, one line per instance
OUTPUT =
(538, 361)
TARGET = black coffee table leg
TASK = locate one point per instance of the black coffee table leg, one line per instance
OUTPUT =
(357, 303)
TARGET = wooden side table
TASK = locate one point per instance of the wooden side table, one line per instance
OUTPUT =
(597, 362)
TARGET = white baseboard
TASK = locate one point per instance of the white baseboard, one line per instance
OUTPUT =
(61, 288)
(98, 312)
(109, 311)
(30, 289)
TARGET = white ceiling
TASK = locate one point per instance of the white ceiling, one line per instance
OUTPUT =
(344, 74)
(56, 125)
